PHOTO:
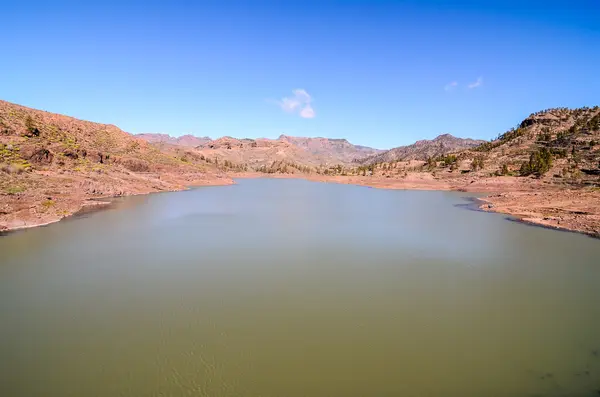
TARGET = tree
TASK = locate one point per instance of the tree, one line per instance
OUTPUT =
(539, 163)
(31, 128)
(477, 163)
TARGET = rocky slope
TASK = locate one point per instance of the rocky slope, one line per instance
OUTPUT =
(422, 150)
(51, 165)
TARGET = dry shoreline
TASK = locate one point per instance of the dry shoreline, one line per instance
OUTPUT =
(528, 201)
(85, 205)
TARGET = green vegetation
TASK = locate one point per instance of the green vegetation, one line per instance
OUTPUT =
(48, 203)
(511, 134)
(364, 169)
(31, 128)
(478, 163)
(283, 167)
(560, 153)
(539, 163)
(10, 160)
(12, 190)
(508, 136)
(545, 137)
(448, 160)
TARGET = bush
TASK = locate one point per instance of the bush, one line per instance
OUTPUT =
(477, 163)
(15, 168)
(539, 163)
(449, 160)
(12, 190)
(31, 128)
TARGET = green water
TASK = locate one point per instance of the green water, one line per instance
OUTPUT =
(294, 288)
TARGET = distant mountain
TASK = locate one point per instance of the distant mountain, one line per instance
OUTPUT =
(302, 149)
(422, 150)
(294, 150)
(339, 150)
(184, 140)
(263, 151)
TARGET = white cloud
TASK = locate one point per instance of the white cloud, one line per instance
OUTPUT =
(308, 112)
(477, 83)
(450, 86)
(299, 103)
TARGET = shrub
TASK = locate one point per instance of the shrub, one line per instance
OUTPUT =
(449, 159)
(539, 163)
(48, 203)
(31, 128)
(477, 163)
(11, 190)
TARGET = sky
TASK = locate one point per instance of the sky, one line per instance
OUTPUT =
(379, 73)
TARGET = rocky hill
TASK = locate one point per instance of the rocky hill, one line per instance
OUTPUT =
(184, 140)
(559, 146)
(50, 165)
(335, 150)
(422, 150)
(259, 153)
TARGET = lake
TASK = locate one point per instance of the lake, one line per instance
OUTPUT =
(276, 287)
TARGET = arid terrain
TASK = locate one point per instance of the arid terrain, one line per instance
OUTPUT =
(422, 150)
(51, 166)
(546, 171)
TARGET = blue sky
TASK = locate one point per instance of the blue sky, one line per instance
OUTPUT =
(379, 73)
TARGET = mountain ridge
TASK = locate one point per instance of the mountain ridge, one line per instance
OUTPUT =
(423, 149)
(303, 150)
(188, 140)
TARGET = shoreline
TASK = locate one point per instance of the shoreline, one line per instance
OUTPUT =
(523, 204)
(516, 203)
(99, 203)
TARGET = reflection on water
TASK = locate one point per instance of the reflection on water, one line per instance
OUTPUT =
(294, 288)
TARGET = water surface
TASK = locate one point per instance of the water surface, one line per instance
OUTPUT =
(295, 288)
